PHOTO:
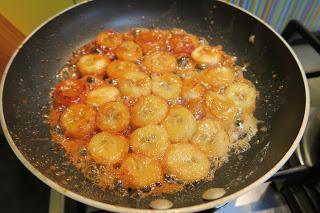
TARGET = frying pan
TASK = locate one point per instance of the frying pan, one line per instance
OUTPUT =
(282, 106)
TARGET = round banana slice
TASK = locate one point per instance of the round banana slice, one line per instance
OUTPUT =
(119, 69)
(93, 64)
(217, 78)
(159, 62)
(208, 55)
(180, 124)
(167, 86)
(106, 148)
(78, 120)
(128, 51)
(191, 90)
(113, 117)
(138, 171)
(109, 39)
(149, 110)
(135, 84)
(243, 94)
(151, 140)
(186, 162)
(102, 95)
(221, 107)
(211, 138)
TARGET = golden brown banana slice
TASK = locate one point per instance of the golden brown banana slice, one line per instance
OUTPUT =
(217, 78)
(191, 90)
(159, 62)
(118, 68)
(93, 64)
(243, 94)
(106, 148)
(109, 39)
(208, 55)
(167, 86)
(180, 124)
(186, 162)
(138, 171)
(78, 120)
(151, 140)
(102, 95)
(113, 117)
(221, 107)
(128, 51)
(211, 138)
(135, 84)
(149, 110)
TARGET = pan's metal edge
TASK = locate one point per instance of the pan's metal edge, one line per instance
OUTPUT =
(115, 208)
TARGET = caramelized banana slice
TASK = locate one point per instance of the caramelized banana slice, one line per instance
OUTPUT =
(217, 78)
(102, 95)
(138, 171)
(149, 110)
(135, 84)
(78, 120)
(93, 64)
(211, 138)
(106, 148)
(159, 62)
(167, 86)
(128, 51)
(113, 117)
(109, 39)
(221, 107)
(151, 140)
(186, 162)
(180, 124)
(208, 55)
(243, 94)
(119, 69)
(191, 90)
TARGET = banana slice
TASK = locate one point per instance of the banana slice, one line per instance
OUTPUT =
(180, 124)
(78, 120)
(113, 117)
(211, 138)
(106, 148)
(102, 95)
(128, 51)
(135, 84)
(109, 39)
(182, 42)
(119, 69)
(159, 62)
(167, 86)
(221, 107)
(191, 90)
(138, 171)
(186, 162)
(93, 64)
(243, 94)
(151, 140)
(217, 78)
(149, 110)
(208, 55)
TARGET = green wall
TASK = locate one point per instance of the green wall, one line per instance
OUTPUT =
(26, 15)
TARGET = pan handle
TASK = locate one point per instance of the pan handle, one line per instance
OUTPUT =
(293, 27)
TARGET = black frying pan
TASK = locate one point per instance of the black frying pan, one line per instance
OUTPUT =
(283, 104)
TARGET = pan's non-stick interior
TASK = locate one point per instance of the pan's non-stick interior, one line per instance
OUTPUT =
(281, 103)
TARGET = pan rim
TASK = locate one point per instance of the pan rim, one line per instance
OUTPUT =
(116, 208)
